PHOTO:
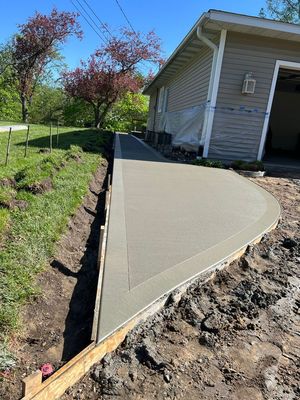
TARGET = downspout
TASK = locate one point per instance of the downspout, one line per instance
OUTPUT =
(215, 50)
(155, 109)
(213, 87)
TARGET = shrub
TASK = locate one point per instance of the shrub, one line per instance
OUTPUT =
(248, 166)
(208, 163)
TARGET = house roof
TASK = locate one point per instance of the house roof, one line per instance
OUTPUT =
(212, 22)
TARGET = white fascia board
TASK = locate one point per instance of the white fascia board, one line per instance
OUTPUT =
(254, 22)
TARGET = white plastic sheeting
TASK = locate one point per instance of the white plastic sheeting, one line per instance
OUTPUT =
(185, 127)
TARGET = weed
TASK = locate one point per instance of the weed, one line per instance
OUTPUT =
(248, 166)
(208, 163)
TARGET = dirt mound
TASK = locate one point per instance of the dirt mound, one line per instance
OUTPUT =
(40, 187)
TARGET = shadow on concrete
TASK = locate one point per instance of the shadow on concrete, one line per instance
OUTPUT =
(138, 151)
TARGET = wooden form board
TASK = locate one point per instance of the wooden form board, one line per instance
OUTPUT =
(101, 262)
(70, 373)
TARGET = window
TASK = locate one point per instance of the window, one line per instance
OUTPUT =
(161, 99)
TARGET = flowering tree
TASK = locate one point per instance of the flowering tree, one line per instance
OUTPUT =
(112, 71)
(35, 46)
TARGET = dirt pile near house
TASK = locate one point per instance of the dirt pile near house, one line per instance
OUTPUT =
(233, 337)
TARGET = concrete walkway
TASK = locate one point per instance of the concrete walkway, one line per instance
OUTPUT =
(13, 128)
(168, 223)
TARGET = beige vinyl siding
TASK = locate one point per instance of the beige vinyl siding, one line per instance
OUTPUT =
(236, 134)
(190, 86)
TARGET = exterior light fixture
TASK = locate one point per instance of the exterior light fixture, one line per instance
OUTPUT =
(249, 84)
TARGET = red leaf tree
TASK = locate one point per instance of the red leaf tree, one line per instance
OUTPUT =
(35, 46)
(112, 71)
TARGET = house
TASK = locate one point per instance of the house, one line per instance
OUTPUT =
(231, 88)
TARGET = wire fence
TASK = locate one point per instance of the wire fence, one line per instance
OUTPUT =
(54, 128)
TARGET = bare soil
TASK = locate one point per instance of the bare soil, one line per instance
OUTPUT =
(58, 321)
(235, 336)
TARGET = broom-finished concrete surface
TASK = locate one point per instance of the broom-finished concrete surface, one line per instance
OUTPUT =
(168, 223)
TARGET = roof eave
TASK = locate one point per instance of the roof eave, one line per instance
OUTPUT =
(200, 21)
(226, 18)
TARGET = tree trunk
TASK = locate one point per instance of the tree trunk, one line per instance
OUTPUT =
(24, 109)
(97, 115)
(103, 114)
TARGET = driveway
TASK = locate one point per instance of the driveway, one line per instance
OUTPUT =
(13, 127)
(169, 223)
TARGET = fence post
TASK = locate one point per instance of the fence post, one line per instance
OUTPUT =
(8, 147)
(57, 134)
(50, 137)
(26, 145)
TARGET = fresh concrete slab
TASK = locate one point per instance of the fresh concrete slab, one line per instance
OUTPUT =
(170, 222)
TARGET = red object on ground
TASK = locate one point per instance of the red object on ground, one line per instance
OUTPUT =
(47, 370)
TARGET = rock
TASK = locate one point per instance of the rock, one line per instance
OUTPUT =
(207, 339)
(289, 243)
(167, 376)
(191, 313)
(148, 355)
(106, 360)
(109, 381)
(270, 377)
(133, 375)
(212, 323)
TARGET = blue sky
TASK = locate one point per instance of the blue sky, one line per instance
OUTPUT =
(171, 19)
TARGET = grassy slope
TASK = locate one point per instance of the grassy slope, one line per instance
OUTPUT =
(30, 235)
(8, 123)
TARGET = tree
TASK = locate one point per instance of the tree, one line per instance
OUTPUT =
(282, 10)
(10, 107)
(35, 46)
(129, 113)
(77, 112)
(112, 71)
(48, 104)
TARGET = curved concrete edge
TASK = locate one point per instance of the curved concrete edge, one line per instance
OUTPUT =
(127, 306)
(157, 304)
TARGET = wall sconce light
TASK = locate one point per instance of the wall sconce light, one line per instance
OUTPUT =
(249, 84)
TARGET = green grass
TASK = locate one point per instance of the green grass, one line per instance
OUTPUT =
(34, 231)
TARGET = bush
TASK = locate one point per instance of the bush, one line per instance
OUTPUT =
(208, 163)
(248, 166)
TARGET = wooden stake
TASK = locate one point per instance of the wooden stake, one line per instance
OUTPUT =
(57, 134)
(32, 383)
(8, 147)
(50, 137)
(26, 145)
